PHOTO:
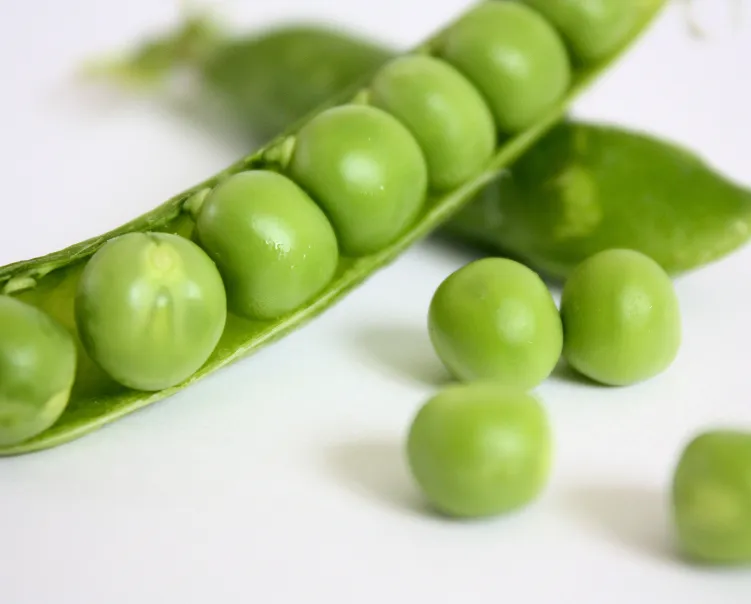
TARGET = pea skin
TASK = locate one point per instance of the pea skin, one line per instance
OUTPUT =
(480, 450)
(495, 319)
(621, 318)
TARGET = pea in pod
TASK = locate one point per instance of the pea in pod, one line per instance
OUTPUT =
(37, 369)
(361, 166)
(581, 189)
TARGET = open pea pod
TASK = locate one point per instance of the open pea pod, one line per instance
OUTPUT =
(358, 177)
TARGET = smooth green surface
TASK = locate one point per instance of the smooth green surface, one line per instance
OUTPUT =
(366, 171)
(514, 57)
(50, 281)
(586, 188)
(446, 114)
(592, 28)
(621, 318)
(273, 245)
(479, 450)
(37, 368)
(496, 319)
(711, 498)
(150, 308)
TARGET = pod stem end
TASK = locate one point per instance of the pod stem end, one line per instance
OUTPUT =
(280, 153)
(194, 203)
(148, 63)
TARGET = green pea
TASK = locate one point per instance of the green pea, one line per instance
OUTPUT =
(514, 56)
(494, 319)
(711, 498)
(365, 170)
(445, 113)
(593, 29)
(37, 369)
(480, 450)
(150, 308)
(273, 245)
(621, 318)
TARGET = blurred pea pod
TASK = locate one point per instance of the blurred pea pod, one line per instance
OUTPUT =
(264, 82)
(585, 188)
(581, 189)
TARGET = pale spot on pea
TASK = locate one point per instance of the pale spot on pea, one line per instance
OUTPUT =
(515, 321)
(513, 61)
(509, 446)
(162, 300)
(274, 234)
(636, 305)
(163, 265)
(24, 357)
(163, 258)
(363, 171)
(740, 227)
(714, 507)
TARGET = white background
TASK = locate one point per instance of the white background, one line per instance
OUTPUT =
(281, 479)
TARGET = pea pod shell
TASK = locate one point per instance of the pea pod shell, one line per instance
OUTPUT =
(585, 188)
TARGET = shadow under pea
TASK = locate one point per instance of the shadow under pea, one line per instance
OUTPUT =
(402, 350)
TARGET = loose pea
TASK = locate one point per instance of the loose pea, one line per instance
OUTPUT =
(273, 245)
(445, 113)
(37, 369)
(150, 309)
(494, 319)
(514, 56)
(479, 450)
(365, 170)
(593, 29)
(711, 498)
(621, 318)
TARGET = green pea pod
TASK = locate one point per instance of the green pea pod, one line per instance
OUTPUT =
(264, 82)
(161, 269)
(581, 189)
(587, 188)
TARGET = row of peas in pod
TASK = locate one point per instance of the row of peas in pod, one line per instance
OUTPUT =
(151, 307)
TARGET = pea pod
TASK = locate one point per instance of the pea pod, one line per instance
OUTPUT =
(587, 188)
(264, 82)
(579, 190)
(367, 152)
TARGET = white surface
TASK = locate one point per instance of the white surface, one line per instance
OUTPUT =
(280, 480)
